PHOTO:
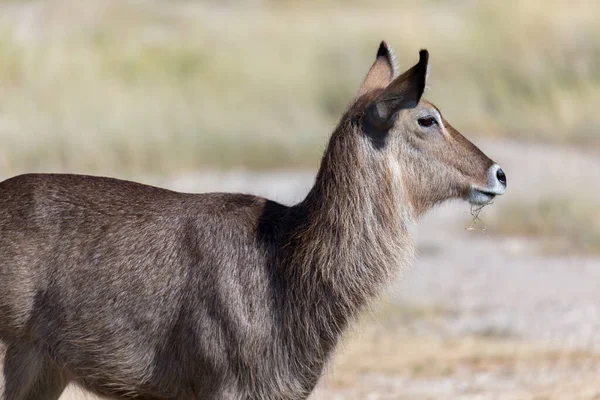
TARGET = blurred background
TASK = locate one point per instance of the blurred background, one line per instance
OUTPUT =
(242, 95)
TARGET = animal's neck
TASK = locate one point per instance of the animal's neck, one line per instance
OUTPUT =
(357, 220)
(354, 236)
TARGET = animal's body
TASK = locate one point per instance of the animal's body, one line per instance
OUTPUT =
(132, 291)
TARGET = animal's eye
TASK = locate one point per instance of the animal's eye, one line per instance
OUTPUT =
(427, 121)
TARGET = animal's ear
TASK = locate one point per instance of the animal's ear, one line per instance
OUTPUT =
(404, 92)
(382, 71)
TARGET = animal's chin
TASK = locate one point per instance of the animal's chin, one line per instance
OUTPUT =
(478, 197)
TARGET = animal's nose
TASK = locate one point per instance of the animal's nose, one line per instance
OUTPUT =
(501, 176)
(496, 180)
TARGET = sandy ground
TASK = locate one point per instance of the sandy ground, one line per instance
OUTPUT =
(478, 316)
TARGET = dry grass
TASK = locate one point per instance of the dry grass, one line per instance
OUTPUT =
(376, 352)
(385, 365)
(382, 359)
(566, 224)
(128, 86)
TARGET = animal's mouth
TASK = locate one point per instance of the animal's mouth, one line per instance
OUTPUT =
(496, 186)
(480, 197)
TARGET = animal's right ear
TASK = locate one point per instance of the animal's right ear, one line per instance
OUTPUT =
(404, 92)
(382, 72)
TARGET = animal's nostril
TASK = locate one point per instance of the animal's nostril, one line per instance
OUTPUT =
(501, 176)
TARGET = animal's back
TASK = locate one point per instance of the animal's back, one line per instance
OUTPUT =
(121, 282)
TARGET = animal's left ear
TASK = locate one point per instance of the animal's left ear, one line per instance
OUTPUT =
(382, 71)
(404, 92)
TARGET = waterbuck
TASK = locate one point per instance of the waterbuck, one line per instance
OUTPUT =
(132, 291)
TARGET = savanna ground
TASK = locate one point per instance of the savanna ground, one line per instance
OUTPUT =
(196, 95)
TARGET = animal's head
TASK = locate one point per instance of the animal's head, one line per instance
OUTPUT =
(435, 161)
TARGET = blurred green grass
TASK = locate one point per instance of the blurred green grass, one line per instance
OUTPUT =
(161, 87)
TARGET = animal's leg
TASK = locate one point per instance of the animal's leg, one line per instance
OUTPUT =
(28, 375)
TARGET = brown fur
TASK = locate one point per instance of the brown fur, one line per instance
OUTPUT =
(132, 291)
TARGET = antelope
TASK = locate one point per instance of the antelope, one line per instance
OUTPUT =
(132, 291)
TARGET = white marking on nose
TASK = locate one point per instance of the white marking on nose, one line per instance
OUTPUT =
(494, 184)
